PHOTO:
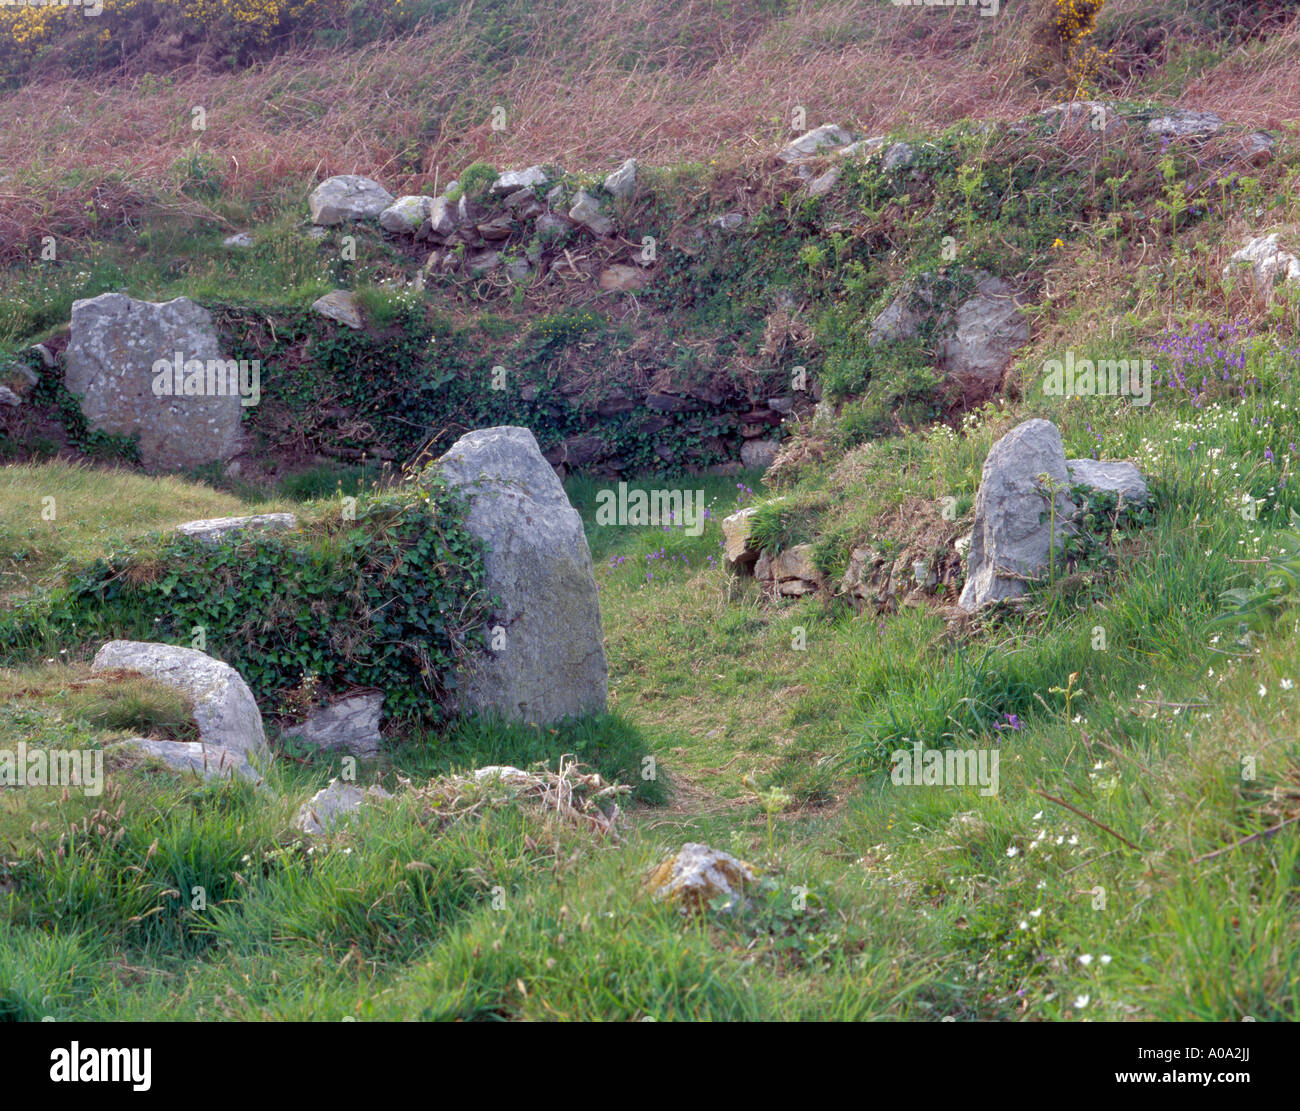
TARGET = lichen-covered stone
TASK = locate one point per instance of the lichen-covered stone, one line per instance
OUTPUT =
(549, 662)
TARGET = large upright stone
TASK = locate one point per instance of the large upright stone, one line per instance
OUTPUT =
(1012, 539)
(113, 347)
(222, 705)
(551, 658)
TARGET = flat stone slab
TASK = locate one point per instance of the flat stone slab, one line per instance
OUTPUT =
(1122, 478)
(341, 306)
(206, 761)
(1184, 123)
(216, 529)
(815, 141)
(513, 180)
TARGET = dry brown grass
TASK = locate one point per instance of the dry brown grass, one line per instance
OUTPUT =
(385, 110)
(665, 82)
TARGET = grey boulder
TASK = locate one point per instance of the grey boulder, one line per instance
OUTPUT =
(1184, 123)
(622, 182)
(976, 337)
(1268, 263)
(335, 805)
(815, 141)
(347, 197)
(513, 180)
(341, 306)
(586, 211)
(405, 215)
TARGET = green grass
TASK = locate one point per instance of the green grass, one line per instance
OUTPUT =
(1135, 864)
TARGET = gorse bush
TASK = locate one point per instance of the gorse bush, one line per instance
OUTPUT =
(97, 34)
(1062, 40)
(391, 600)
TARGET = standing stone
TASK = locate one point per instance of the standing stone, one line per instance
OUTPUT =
(112, 350)
(739, 548)
(1012, 536)
(346, 197)
(222, 705)
(551, 663)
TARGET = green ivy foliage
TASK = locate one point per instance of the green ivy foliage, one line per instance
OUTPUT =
(391, 600)
(420, 382)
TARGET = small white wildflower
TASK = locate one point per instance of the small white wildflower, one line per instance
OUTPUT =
(1081, 1001)
(1085, 959)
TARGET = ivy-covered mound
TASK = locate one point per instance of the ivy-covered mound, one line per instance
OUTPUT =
(392, 599)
